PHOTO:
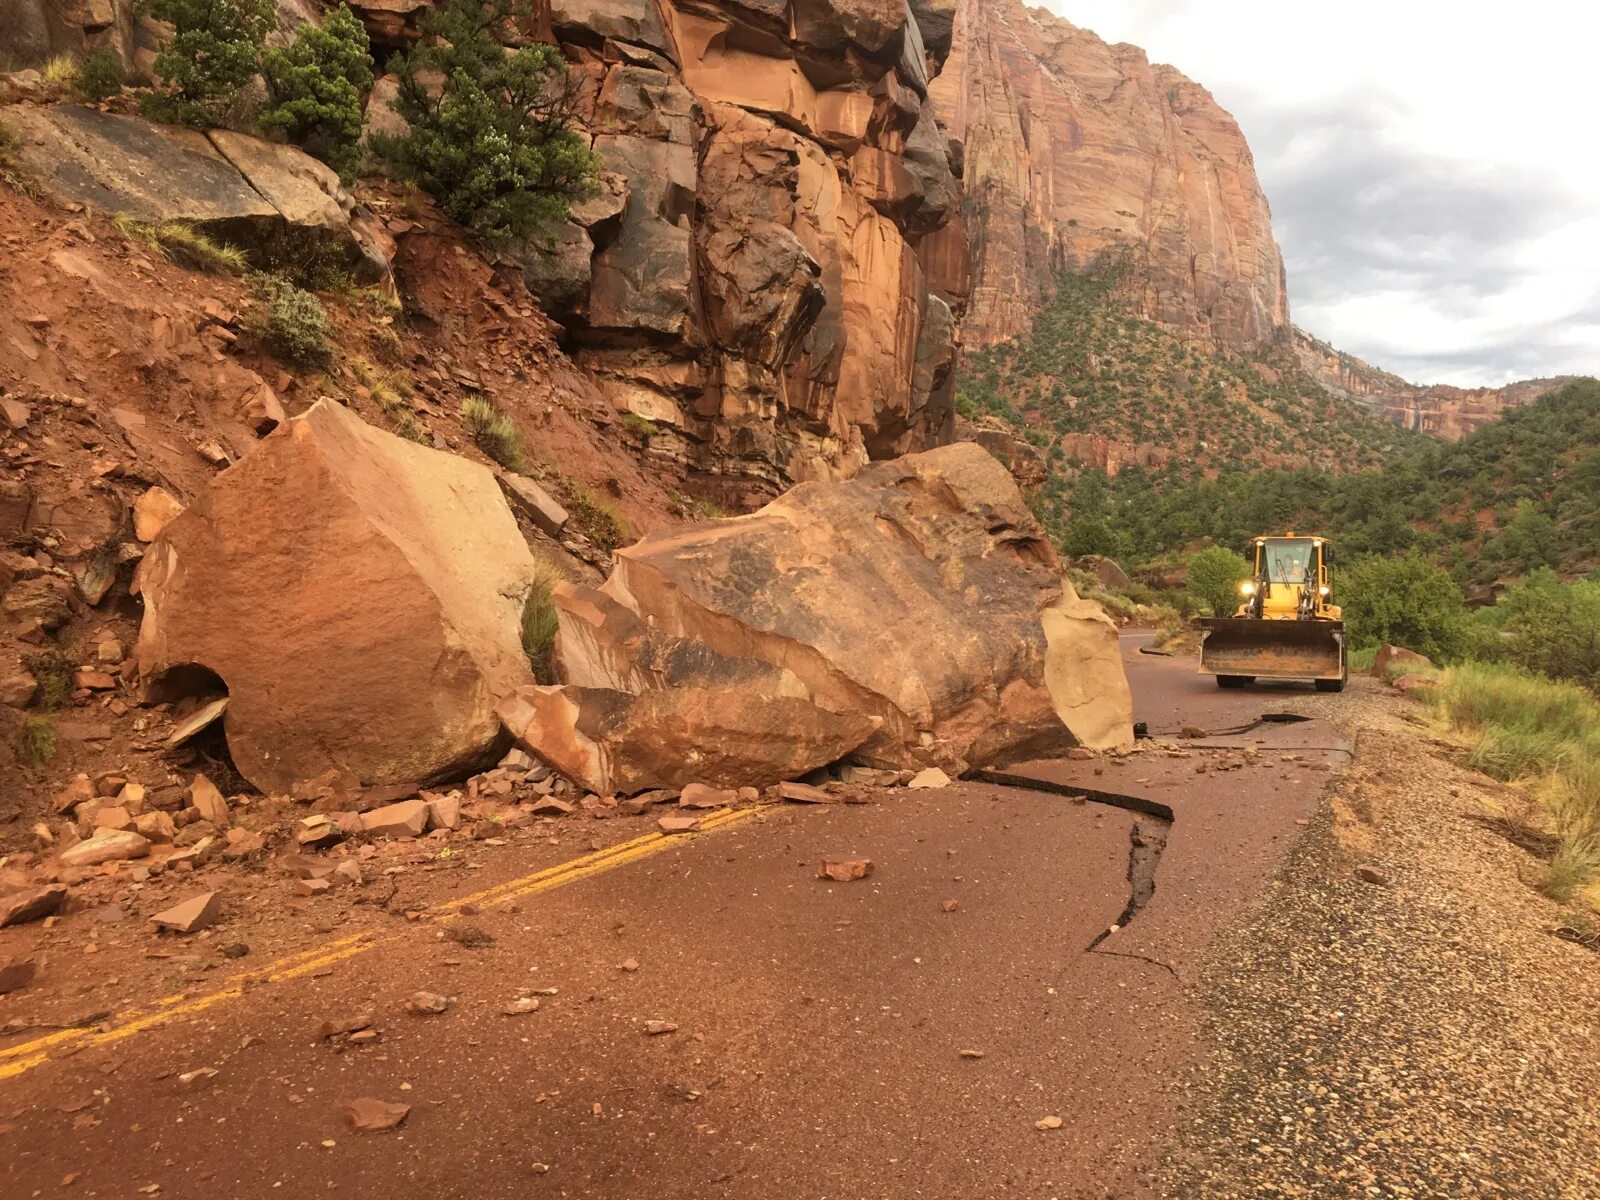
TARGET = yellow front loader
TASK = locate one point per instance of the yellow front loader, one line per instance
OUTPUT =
(1287, 626)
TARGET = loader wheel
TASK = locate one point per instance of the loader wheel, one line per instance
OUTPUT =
(1235, 681)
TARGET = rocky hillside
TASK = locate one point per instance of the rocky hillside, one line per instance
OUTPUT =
(1441, 411)
(1074, 147)
(750, 284)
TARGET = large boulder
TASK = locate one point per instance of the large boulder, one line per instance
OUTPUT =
(238, 188)
(920, 595)
(359, 596)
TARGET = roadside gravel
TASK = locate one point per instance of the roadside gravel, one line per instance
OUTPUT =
(1426, 1036)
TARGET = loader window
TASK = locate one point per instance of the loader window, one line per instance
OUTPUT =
(1289, 562)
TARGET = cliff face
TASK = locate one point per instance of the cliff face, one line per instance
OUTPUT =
(1441, 411)
(751, 282)
(1074, 147)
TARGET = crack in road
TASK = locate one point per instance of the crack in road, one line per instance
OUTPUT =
(1147, 841)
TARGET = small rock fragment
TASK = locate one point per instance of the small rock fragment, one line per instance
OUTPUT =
(972, 1054)
(374, 1116)
(408, 819)
(205, 797)
(193, 914)
(16, 974)
(31, 904)
(698, 795)
(1044, 1123)
(845, 870)
(804, 793)
(1371, 874)
(932, 777)
(427, 1003)
(950, 905)
(152, 512)
(521, 1005)
(111, 845)
(657, 1028)
(678, 824)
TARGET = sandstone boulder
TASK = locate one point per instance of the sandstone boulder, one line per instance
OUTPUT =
(238, 188)
(913, 616)
(1389, 655)
(359, 596)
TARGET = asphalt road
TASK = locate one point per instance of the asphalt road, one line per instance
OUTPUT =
(845, 1040)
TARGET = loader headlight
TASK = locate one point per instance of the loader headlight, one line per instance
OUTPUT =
(1247, 588)
(1323, 591)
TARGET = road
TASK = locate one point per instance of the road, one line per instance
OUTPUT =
(844, 1040)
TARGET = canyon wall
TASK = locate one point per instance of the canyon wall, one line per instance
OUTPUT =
(1074, 148)
(1440, 410)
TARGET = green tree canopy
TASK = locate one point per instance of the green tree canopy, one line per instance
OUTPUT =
(317, 86)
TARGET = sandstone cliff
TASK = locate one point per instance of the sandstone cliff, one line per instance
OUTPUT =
(1441, 411)
(1074, 147)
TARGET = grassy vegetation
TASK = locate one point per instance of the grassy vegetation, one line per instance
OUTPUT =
(393, 393)
(182, 243)
(99, 76)
(53, 670)
(539, 624)
(495, 433)
(1544, 735)
(11, 174)
(36, 745)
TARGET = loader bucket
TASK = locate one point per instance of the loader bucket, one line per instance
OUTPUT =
(1246, 646)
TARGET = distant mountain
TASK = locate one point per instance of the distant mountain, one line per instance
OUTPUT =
(1441, 411)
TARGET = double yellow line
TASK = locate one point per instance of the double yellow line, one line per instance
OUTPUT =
(25, 1056)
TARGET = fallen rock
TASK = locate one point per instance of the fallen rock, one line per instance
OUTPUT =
(17, 973)
(154, 511)
(1047, 1123)
(533, 502)
(930, 777)
(678, 824)
(1007, 661)
(374, 1116)
(444, 812)
(192, 915)
(657, 1028)
(312, 887)
(407, 819)
(804, 793)
(521, 1006)
(75, 793)
(317, 830)
(389, 680)
(31, 904)
(845, 870)
(1371, 874)
(1407, 684)
(1389, 655)
(427, 1004)
(155, 826)
(112, 845)
(202, 718)
(208, 801)
(698, 795)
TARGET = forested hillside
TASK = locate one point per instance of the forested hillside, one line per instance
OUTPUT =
(1092, 368)
(1515, 496)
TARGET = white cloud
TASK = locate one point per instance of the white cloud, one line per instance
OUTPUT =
(1429, 164)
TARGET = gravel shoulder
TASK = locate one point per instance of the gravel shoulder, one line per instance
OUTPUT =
(1425, 1036)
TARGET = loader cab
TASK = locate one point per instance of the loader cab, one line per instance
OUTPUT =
(1291, 578)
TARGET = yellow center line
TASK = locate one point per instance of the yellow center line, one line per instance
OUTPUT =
(25, 1056)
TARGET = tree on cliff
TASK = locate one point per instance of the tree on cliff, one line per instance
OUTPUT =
(491, 133)
(317, 85)
(208, 62)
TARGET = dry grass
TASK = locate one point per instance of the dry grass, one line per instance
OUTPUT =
(1545, 736)
(36, 745)
(597, 519)
(182, 243)
(540, 624)
(495, 433)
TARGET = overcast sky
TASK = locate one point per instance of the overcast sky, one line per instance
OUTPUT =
(1432, 167)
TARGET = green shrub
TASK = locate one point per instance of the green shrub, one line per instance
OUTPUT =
(316, 87)
(1214, 577)
(597, 519)
(292, 323)
(99, 76)
(495, 433)
(53, 670)
(206, 66)
(182, 243)
(1546, 626)
(1407, 601)
(496, 145)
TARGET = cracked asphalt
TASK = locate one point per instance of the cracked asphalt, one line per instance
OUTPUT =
(812, 1038)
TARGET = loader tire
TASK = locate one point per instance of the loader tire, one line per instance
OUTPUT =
(1235, 681)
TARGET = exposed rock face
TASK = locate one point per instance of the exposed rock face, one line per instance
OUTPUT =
(751, 281)
(1075, 149)
(1442, 411)
(360, 596)
(912, 616)
(242, 189)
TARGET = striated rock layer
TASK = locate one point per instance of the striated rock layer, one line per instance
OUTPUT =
(1074, 148)
(1441, 411)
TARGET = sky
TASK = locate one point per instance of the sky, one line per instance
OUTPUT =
(1433, 167)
